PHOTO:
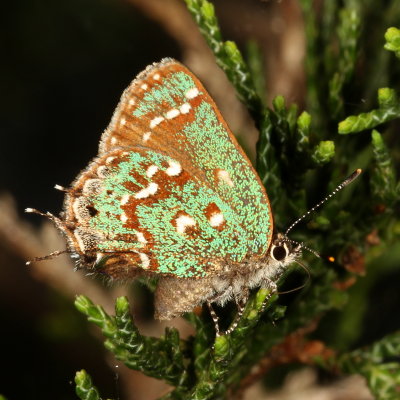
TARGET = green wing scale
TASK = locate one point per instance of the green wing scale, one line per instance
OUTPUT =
(171, 192)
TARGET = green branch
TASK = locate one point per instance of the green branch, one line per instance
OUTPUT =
(348, 35)
(383, 177)
(208, 367)
(227, 55)
(376, 363)
(389, 109)
(159, 358)
(392, 37)
(84, 386)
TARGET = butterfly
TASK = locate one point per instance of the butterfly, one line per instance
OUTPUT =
(172, 194)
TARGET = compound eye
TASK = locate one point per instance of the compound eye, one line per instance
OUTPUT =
(279, 253)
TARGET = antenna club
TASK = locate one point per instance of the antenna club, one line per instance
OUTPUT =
(353, 176)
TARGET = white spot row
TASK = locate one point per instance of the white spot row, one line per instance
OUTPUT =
(156, 121)
(185, 108)
(183, 222)
(125, 199)
(144, 258)
(147, 191)
(146, 136)
(172, 113)
(216, 219)
(141, 238)
(224, 176)
(174, 168)
(151, 171)
(192, 93)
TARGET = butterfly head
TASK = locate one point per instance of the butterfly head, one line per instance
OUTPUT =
(283, 249)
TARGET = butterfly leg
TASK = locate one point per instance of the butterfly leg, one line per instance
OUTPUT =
(241, 305)
(271, 286)
(214, 317)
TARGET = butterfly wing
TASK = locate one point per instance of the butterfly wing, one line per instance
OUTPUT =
(171, 191)
(168, 110)
(140, 208)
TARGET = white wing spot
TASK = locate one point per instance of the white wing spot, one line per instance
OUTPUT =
(224, 176)
(131, 102)
(144, 86)
(182, 222)
(140, 237)
(185, 108)
(174, 168)
(172, 113)
(144, 258)
(216, 219)
(113, 140)
(123, 121)
(123, 217)
(146, 192)
(146, 136)
(151, 171)
(156, 77)
(155, 121)
(192, 93)
(125, 199)
(110, 160)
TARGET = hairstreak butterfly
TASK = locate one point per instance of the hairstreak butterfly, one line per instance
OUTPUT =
(172, 194)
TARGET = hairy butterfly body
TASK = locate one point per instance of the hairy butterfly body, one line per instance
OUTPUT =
(172, 194)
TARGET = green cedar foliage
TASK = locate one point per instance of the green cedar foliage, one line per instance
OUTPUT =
(296, 148)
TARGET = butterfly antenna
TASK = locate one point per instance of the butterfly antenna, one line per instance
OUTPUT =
(58, 223)
(61, 188)
(346, 182)
(303, 246)
(50, 256)
(48, 215)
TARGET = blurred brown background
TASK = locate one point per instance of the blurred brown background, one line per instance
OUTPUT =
(64, 66)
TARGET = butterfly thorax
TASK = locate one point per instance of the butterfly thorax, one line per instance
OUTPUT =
(258, 271)
(175, 296)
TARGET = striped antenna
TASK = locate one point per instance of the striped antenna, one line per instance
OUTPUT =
(338, 188)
